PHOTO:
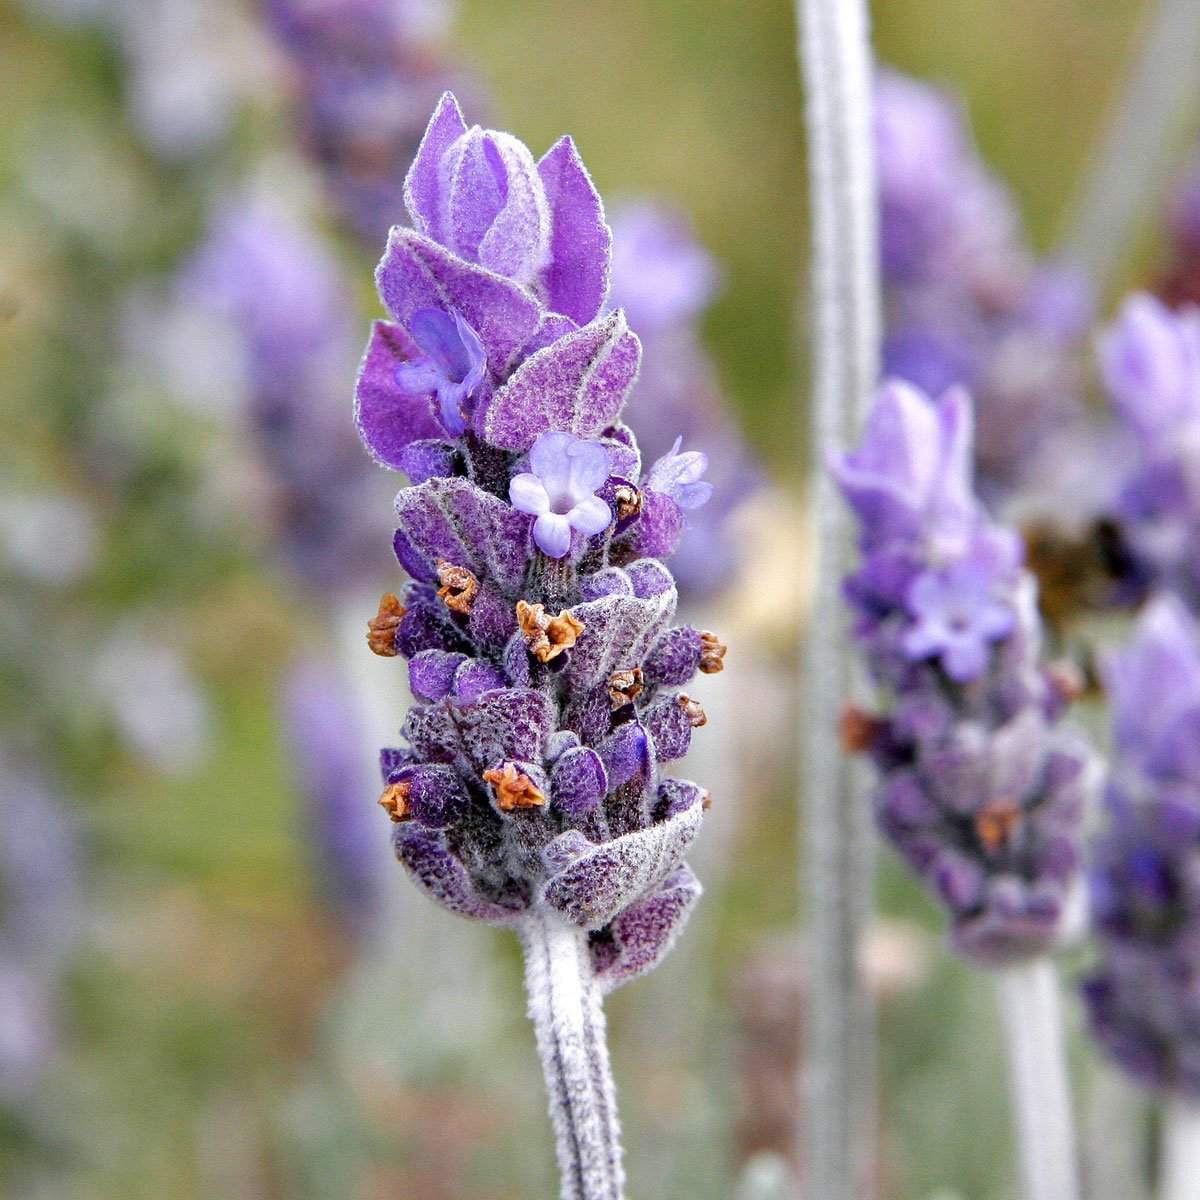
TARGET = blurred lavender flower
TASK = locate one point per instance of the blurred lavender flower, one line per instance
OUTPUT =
(274, 284)
(1141, 999)
(1150, 365)
(41, 909)
(966, 304)
(980, 792)
(663, 279)
(530, 792)
(322, 719)
(367, 72)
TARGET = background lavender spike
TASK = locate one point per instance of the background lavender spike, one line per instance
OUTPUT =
(980, 791)
(365, 75)
(966, 303)
(538, 600)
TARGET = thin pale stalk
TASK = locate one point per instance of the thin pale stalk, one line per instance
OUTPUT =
(1131, 161)
(568, 1020)
(1114, 1154)
(839, 1108)
(1037, 1058)
(1180, 1151)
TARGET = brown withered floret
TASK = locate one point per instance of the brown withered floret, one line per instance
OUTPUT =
(459, 587)
(706, 801)
(856, 729)
(1066, 679)
(624, 687)
(547, 636)
(996, 824)
(394, 801)
(514, 789)
(695, 714)
(381, 628)
(628, 501)
(712, 653)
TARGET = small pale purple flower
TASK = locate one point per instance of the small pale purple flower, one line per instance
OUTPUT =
(957, 618)
(679, 476)
(451, 369)
(560, 490)
(1150, 361)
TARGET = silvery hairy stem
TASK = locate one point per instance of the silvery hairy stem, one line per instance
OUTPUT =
(568, 1020)
(1041, 1094)
(836, 64)
(1134, 152)
(1180, 1151)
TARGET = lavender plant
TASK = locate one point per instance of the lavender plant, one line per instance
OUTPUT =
(966, 303)
(529, 790)
(1140, 997)
(366, 74)
(981, 790)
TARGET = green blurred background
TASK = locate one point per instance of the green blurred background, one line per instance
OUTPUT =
(206, 1032)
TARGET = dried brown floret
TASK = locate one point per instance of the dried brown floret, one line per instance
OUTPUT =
(695, 714)
(547, 636)
(712, 653)
(394, 801)
(514, 789)
(624, 687)
(628, 501)
(997, 823)
(459, 587)
(381, 628)
(856, 729)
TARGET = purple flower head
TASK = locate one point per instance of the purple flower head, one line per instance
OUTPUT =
(979, 791)
(451, 369)
(679, 476)
(956, 618)
(1145, 881)
(910, 478)
(537, 623)
(966, 301)
(1150, 361)
(560, 490)
(483, 196)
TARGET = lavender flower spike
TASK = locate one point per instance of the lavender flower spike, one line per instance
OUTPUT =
(980, 791)
(1140, 998)
(529, 789)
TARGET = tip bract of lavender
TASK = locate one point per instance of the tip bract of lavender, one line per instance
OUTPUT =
(537, 623)
(980, 790)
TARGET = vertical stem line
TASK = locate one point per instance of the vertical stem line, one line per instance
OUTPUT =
(836, 66)
(568, 1021)
(1041, 1092)
(1180, 1150)
(1130, 161)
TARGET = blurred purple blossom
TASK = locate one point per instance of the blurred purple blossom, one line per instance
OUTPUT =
(1140, 998)
(965, 301)
(980, 792)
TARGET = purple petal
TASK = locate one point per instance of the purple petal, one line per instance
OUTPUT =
(389, 418)
(590, 516)
(552, 533)
(528, 494)
(421, 187)
(576, 279)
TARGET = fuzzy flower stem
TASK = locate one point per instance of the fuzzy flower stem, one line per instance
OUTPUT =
(1134, 152)
(1029, 1010)
(568, 1020)
(836, 64)
(1180, 1150)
